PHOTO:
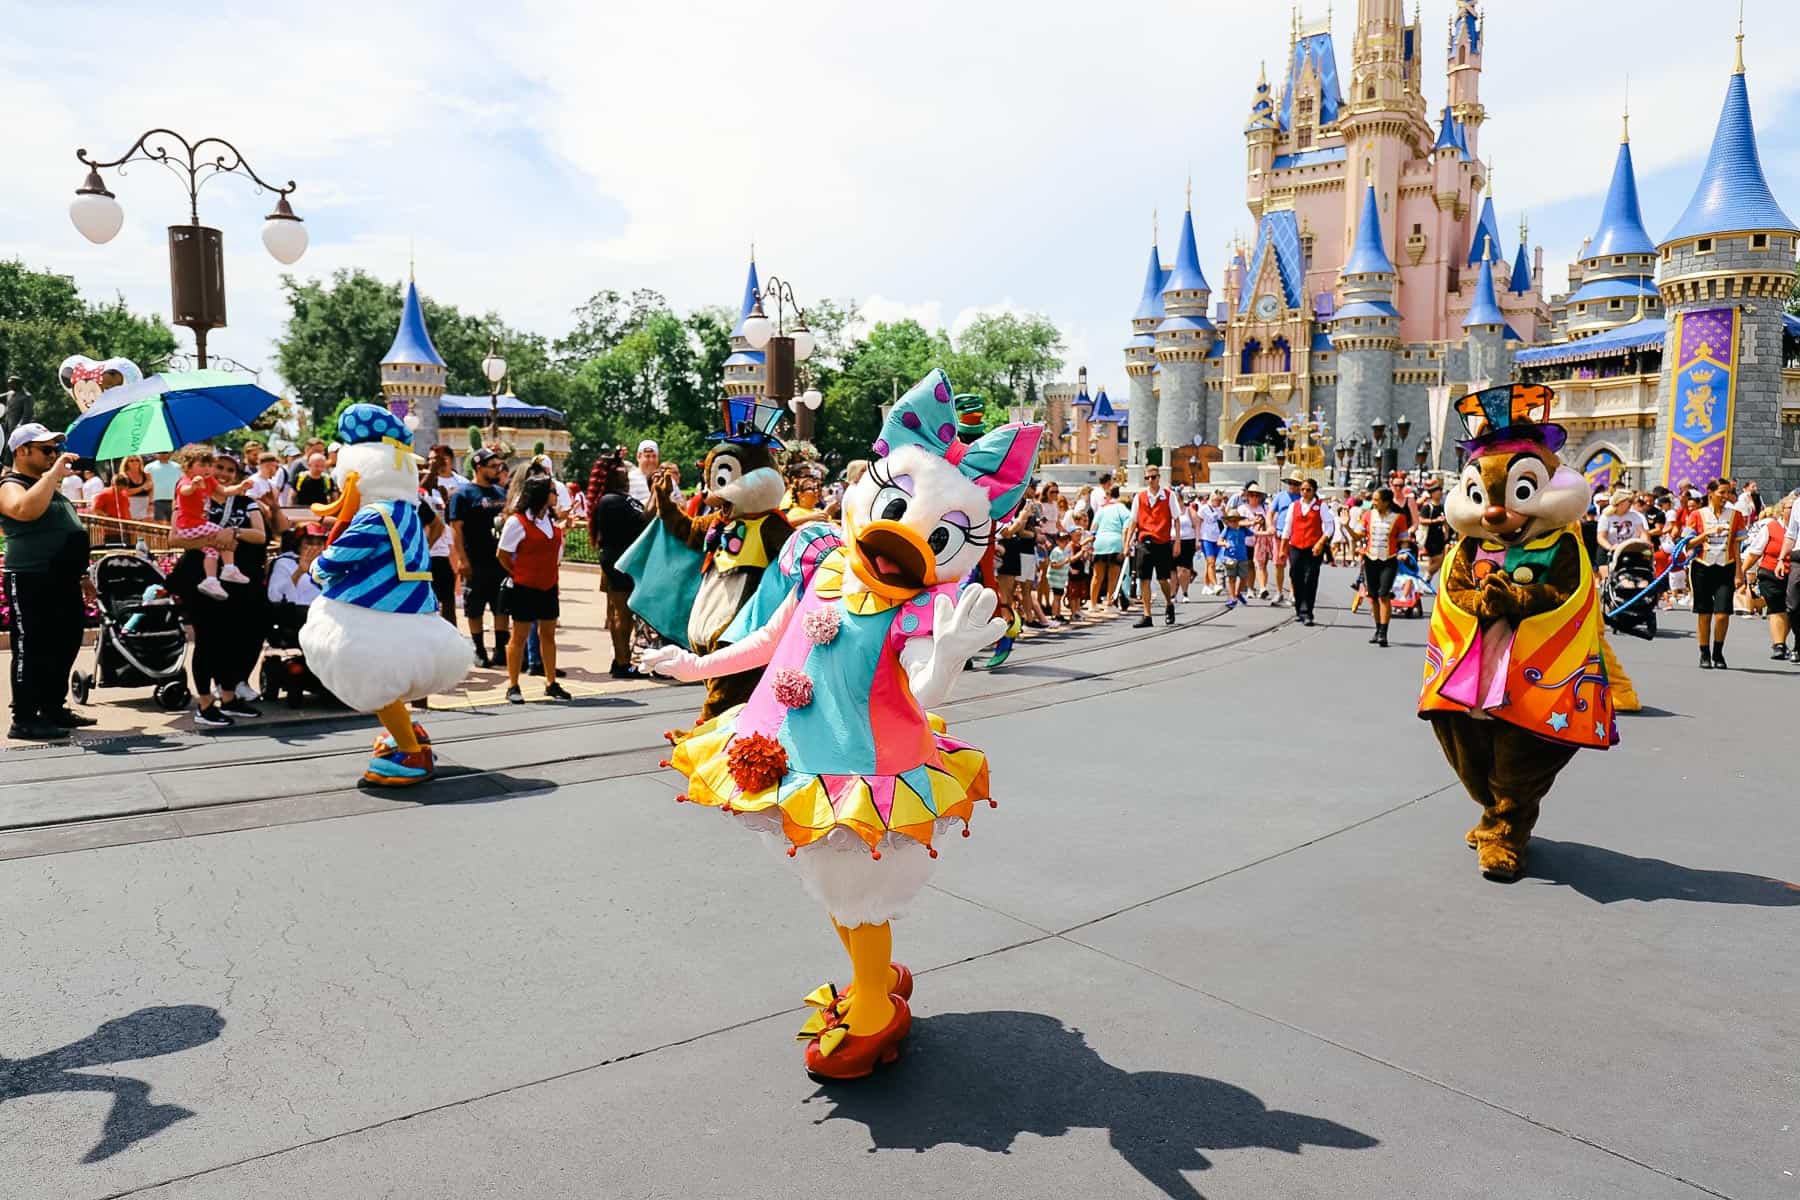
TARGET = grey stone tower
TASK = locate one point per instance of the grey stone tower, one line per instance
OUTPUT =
(1140, 355)
(1365, 329)
(1729, 262)
(1484, 329)
(413, 372)
(1182, 341)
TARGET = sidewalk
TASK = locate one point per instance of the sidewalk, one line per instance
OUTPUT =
(584, 651)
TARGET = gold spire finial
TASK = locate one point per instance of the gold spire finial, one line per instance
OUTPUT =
(411, 259)
(753, 250)
(1155, 229)
(1487, 247)
(1626, 135)
(1190, 189)
(1490, 179)
(1740, 40)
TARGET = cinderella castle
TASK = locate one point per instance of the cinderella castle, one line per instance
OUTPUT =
(1379, 284)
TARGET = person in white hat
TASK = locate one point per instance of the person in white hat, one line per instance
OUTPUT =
(649, 462)
(46, 582)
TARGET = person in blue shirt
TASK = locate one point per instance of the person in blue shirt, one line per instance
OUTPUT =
(1234, 558)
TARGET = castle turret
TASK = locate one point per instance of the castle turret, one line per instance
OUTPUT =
(1485, 330)
(1727, 269)
(744, 368)
(1365, 328)
(1182, 341)
(413, 372)
(1140, 354)
(1384, 119)
(1520, 283)
(1617, 270)
(1463, 85)
(1260, 134)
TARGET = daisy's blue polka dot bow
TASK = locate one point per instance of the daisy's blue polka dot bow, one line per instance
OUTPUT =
(1000, 460)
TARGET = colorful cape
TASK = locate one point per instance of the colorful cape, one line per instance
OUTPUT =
(1548, 676)
(665, 574)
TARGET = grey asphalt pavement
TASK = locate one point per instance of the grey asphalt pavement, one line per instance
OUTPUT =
(1221, 939)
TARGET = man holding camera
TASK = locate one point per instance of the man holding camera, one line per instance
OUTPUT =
(46, 583)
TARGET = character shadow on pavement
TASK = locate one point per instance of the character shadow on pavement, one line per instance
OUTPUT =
(982, 1079)
(146, 1033)
(1607, 876)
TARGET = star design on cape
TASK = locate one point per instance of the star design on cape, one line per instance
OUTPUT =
(1558, 721)
(1599, 729)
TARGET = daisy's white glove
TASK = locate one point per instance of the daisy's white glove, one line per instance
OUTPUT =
(958, 629)
(672, 661)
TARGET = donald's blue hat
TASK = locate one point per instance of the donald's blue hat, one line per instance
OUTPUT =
(363, 423)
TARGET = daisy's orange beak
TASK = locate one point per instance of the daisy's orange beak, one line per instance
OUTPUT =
(891, 559)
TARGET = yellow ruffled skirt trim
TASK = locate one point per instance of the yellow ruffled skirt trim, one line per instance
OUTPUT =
(812, 806)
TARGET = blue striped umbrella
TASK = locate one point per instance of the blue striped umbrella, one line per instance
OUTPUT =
(166, 412)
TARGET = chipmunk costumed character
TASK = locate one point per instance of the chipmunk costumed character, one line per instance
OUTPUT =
(1515, 676)
(835, 751)
(374, 637)
(696, 594)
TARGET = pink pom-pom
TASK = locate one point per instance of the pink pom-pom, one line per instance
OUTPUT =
(793, 687)
(821, 624)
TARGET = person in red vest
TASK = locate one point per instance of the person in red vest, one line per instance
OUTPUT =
(1309, 532)
(1769, 544)
(1151, 536)
(530, 552)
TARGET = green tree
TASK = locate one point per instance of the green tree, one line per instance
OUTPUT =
(890, 358)
(43, 320)
(1003, 356)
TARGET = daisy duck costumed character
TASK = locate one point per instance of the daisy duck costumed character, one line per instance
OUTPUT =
(1515, 669)
(835, 752)
(374, 637)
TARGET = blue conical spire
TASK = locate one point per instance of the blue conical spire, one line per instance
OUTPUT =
(750, 287)
(412, 341)
(1521, 270)
(1733, 195)
(1621, 221)
(1150, 305)
(1185, 275)
(1486, 309)
(1487, 234)
(1369, 256)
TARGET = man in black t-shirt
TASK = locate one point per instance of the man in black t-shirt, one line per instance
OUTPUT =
(474, 516)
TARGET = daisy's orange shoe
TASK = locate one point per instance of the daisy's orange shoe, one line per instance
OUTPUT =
(903, 986)
(833, 1052)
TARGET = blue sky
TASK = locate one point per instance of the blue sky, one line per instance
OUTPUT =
(935, 161)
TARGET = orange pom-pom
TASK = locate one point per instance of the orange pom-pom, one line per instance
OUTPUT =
(791, 850)
(757, 762)
(682, 798)
(965, 831)
(932, 850)
(875, 854)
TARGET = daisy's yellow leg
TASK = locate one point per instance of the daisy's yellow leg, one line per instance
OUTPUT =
(871, 949)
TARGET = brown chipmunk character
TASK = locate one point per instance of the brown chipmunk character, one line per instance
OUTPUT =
(739, 538)
(1515, 672)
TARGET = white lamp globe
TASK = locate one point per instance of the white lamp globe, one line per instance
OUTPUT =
(97, 216)
(811, 398)
(758, 329)
(494, 367)
(284, 235)
(803, 344)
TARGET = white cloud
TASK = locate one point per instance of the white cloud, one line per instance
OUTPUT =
(930, 159)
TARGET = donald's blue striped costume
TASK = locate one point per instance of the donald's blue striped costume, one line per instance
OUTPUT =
(380, 560)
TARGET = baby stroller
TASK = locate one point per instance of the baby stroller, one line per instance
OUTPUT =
(1630, 591)
(1410, 587)
(141, 641)
(284, 668)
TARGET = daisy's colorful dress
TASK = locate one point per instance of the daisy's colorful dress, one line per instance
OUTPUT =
(861, 757)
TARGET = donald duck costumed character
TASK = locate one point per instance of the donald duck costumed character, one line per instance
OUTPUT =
(374, 636)
(834, 752)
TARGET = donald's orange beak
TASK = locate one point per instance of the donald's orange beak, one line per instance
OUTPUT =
(891, 559)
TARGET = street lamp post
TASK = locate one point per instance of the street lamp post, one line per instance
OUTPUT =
(782, 348)
(196, 251)
(1388, 442)
(493, 367)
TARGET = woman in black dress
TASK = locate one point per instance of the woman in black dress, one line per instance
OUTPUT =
(1433, 529)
